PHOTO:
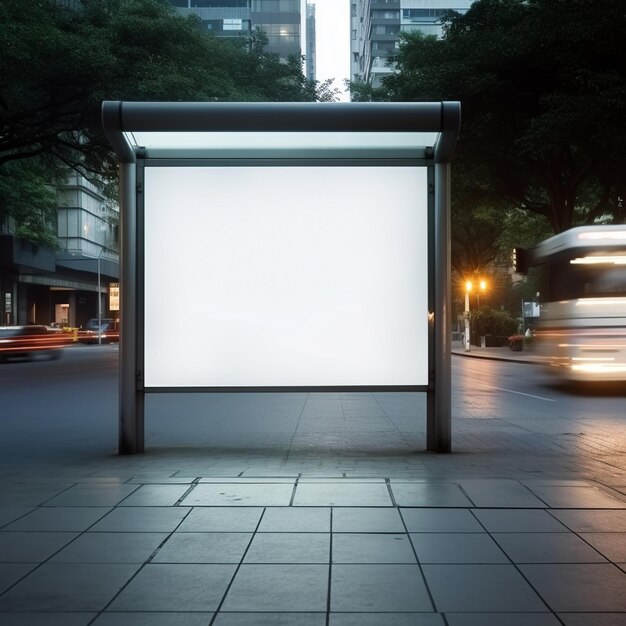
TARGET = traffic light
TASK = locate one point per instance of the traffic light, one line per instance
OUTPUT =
(520, 260)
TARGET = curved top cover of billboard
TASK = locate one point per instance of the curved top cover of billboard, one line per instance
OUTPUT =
(285, 276)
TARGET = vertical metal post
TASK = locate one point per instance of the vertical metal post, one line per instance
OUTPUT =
(99, 302)
(466, 336)
(131, 415)
(439, 418)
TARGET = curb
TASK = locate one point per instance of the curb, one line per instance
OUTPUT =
(490, 357)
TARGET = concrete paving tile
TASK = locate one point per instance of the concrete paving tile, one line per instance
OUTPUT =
(588, 587)
(518, 521)
(155, 495)
(153, 619)
(333, 494)
(502, 619)
(296, 520)
(250, 480)
(9, 514)
(203, 548)
(171, 587)
(69, 519)
(611, 545)
(556, 482)
(457, 548)
(168, 480)
(388, 619)
(581, 521)
(10, 573)
(278, 588)
(97, 547)
(593, 619)
(30, 493)
(566, 497)
(142, 519)
(341, 480)
(229, 494)
(289, 548)
(67, 587)
(480, 588)
(222, 519)
(372, 548)
(46, 619)
(270, 619)
(440, 521)
(429, 495)
(367, 520)
(99, 494)
(547, 548)
(378, 588)
(31, 547)
(492, 493)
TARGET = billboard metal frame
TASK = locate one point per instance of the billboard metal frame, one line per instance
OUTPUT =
(123, 118)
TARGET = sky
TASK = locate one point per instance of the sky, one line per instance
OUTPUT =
(333, 40)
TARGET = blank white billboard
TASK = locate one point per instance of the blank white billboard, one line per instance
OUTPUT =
(276, 276)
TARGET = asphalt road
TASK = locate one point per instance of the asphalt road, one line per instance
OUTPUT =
(53, 408)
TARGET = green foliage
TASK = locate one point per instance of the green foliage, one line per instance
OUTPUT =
(61, 60)
(543, 90)
(28, 196)
(361, 91)
(486, 321)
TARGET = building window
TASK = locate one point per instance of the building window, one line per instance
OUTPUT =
(386, 29)
(385, 15)
(274, 6)
(233, 24)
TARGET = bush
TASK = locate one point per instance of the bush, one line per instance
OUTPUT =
(489, 322)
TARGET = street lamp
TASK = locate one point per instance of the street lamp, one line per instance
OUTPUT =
(468, 288)
(482, 286)
(99, 299)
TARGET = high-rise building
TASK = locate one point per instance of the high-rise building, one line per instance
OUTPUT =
(310, 41)
(278, 19)
(40, 285)
(376, 25)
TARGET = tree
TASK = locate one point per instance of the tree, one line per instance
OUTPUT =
(61, 60)
(28, 196)
(543, 92)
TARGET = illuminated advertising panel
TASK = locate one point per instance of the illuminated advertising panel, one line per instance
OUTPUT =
(285, 276)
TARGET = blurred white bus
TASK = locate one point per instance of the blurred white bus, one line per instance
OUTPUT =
(582, 325)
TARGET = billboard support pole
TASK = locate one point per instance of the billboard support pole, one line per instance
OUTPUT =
(131, 411)
(438, 418)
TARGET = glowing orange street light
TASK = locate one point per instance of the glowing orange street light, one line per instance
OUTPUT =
(466, 338)
(482, 286)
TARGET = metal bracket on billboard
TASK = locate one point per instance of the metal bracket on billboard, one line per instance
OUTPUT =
(370, 313)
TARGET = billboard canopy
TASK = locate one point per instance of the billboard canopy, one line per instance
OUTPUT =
(281, 130)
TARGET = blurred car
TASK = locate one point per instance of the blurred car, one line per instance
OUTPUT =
(18, 342)
(106, 330)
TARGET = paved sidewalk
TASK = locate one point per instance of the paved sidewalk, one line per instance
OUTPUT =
(505, 531)
(498, 354)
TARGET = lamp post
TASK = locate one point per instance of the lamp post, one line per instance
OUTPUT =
(468, 288)
(482, 287)
(99, 299)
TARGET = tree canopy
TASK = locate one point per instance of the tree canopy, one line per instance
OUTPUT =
(543, 91)
(60, 60)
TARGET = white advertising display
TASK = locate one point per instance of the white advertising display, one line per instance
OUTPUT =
(274, 276)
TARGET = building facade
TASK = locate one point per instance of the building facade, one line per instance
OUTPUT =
(375, 26)
(44, 286)
(310, 63)
(278, 19)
